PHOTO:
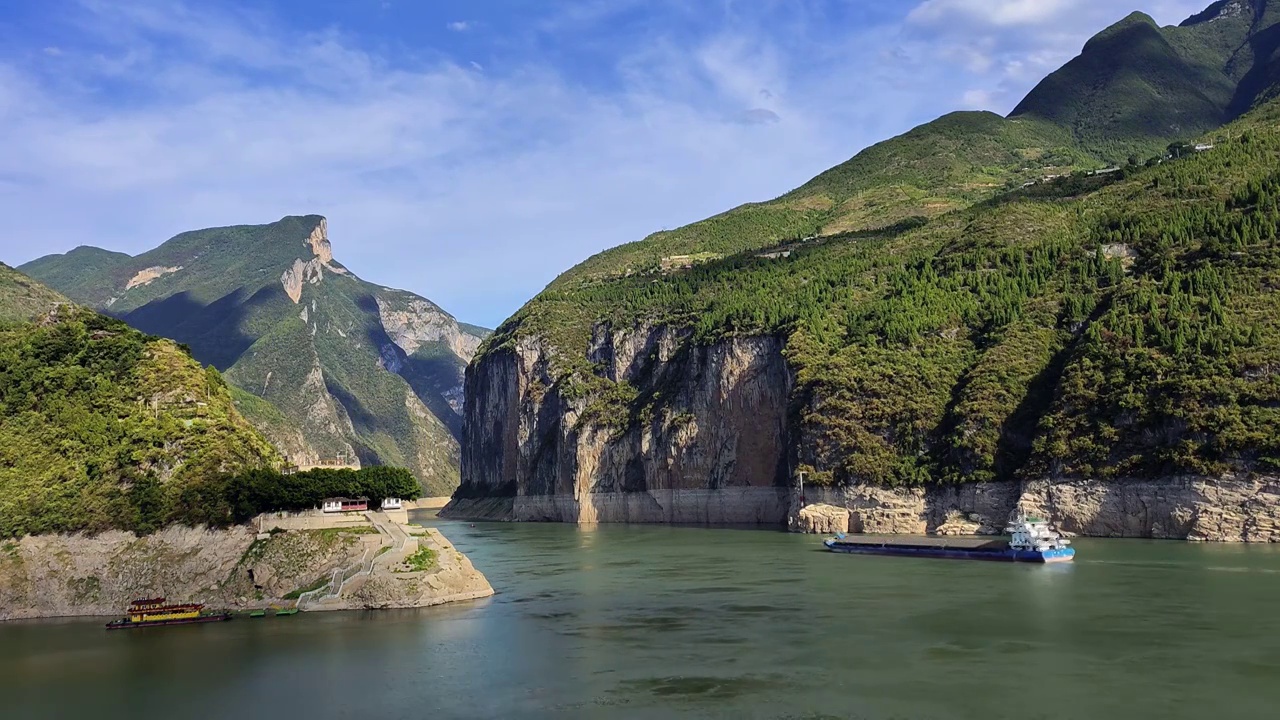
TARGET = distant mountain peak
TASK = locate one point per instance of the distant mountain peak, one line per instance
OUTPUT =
(311, 271)
(1133, 21)
(1226, 9)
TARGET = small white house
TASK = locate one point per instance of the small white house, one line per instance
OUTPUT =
(391, 504)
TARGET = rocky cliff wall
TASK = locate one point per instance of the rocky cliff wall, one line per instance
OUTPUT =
(718, 449)
(709, 447)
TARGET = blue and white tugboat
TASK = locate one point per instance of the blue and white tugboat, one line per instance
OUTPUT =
(1031, 539)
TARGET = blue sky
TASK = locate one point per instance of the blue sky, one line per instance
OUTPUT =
(472, 151)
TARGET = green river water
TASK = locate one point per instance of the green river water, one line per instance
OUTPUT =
(661, 622)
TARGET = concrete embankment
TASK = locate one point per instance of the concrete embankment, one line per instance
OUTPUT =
(360, 564)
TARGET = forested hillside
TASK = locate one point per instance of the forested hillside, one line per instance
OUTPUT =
(104, 427)
(1103, 326)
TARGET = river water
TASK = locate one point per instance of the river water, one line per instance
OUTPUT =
(661, 622)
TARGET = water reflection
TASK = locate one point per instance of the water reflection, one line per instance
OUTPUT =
(676, 622)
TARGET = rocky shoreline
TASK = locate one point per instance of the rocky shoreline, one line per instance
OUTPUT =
(236, 568)
(1182, 508)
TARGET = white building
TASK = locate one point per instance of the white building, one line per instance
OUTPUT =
(391, 504)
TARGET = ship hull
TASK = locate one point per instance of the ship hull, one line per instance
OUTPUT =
(124, 624)
(953, 553)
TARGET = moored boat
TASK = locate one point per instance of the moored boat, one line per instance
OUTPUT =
(1032, 540)
(155, 611)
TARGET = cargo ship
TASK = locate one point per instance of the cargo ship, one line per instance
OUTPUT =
(1031, 540)
(155, 611)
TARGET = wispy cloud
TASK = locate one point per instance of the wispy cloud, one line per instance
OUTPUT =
(460, 25)
(474, 186)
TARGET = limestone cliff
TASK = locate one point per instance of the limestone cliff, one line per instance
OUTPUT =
(711, 451)
(707, 436)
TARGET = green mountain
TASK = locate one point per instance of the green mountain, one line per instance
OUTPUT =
(102, 426)
(22, 299)
(332, 368)
(1136, 86)
(1110, 325)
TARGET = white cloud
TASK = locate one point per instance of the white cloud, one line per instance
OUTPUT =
(1006, 46)
(459, 26)
(472, 188)
(999, 13)
(52, 51)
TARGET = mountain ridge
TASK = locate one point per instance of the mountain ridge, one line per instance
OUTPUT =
(363, 374)
(1136, 86)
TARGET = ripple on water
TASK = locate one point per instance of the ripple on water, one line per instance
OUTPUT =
(700, 687)
(757, 609)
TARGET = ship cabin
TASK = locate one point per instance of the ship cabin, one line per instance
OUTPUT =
(1033, 533)
(333, 505)
(158, 609)
(391, 504)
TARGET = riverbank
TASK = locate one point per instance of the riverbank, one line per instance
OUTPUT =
(358, 564)
(1225, 509)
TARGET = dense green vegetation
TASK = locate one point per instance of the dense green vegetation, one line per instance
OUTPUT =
(104, 427)
(1117, 325)
(238, 497)
(319, 373)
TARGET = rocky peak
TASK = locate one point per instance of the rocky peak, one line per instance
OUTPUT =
(1227, 9)
(318, 241)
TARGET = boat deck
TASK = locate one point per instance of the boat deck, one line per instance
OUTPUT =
(929, 541)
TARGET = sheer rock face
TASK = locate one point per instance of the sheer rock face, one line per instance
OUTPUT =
(301, 272)
(319, 242)
(718, 452)
(712, 452)
(418, 322)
